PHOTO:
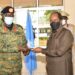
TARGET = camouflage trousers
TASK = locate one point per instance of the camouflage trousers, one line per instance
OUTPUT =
(13, 73)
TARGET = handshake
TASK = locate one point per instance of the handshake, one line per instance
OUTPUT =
(26, 50)
(37, 49)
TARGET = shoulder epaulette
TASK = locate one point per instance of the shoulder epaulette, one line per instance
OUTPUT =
(19, 26)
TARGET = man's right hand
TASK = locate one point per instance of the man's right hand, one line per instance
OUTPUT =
(25, 50)
(37, 50)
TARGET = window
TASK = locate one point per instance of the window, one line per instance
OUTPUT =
(39, 10)
(31, 3)
(42, 24)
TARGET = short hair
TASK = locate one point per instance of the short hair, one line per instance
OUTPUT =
(59, 14)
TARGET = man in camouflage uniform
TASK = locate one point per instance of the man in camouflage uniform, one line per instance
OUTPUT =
(12, 42)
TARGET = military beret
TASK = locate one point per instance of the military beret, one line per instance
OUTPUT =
(64, 17)
(7, 9)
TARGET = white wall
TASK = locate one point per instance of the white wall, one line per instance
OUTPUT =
(69, 7)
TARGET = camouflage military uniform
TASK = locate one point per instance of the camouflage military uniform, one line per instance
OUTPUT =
(10, 57)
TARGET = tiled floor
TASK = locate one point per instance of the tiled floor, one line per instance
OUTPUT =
(40, 66)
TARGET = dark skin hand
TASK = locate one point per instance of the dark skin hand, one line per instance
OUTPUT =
(25, 50)
(37, 50)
